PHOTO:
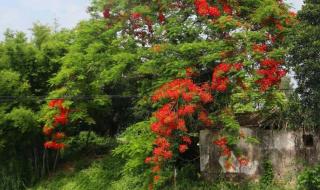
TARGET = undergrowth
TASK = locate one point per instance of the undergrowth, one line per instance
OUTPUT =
(123, 168)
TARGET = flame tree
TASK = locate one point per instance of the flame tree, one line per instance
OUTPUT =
(197, 62)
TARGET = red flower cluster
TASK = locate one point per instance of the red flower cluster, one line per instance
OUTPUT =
(60, 119)
(279, 26)
(187, 110)
(260, 48)
(53, 145)
(227, 9)
(203, 117)
(106, 13)
(182, 88)
(214, 11)
(271, 72)
(163, 149)
(135, 16)
(220, 81)
(203, 9)
(171, 117)
(183, 148)
(243, 161)
(59, 135)
(273, 21)
(223, 144)
(161, 17)
(186, 140)
(161, 153)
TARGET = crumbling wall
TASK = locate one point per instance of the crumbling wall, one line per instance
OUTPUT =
(288, 151)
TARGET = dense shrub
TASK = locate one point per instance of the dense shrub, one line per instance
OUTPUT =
(309, 179)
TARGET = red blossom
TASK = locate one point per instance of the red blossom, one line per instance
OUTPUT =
(186, 140)
(162, 142)
(261, 48)
(148, 160)
(221, 142)
(156, 178)
(214, 11)
(243, 161)
(187, 96)
(205, 97)
(177, 88)
(203, 117)
(167, 155)
(187, 110)
(106, 13)
(155, 127)
(59, 135)
(202, 7)
(219, 81)
(156, 169)
(157, 151)
(222, 68)
(183, 148)
(61, 119)
(182, 125)
(279, 26)
(226, 152)
(271, 73)
(53, 145)
(227, 9)
(161, 17)
(238, 66)
(135, 16)
(170, 118)
(56, 103)
(270, 63)
(220, 84)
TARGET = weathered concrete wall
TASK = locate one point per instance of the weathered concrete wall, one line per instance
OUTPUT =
(288, 152)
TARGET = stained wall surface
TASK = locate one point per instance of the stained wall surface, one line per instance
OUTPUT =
(287, 151)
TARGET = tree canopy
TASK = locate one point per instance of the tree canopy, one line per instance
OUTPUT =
(304, 57)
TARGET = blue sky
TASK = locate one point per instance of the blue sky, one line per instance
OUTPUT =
(20, 14)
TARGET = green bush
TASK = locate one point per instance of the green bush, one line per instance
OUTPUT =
(309, 179)
(267, 176)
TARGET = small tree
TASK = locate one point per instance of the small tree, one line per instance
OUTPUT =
(305, 58)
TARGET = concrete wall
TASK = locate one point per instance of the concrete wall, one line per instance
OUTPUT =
(288, 151)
